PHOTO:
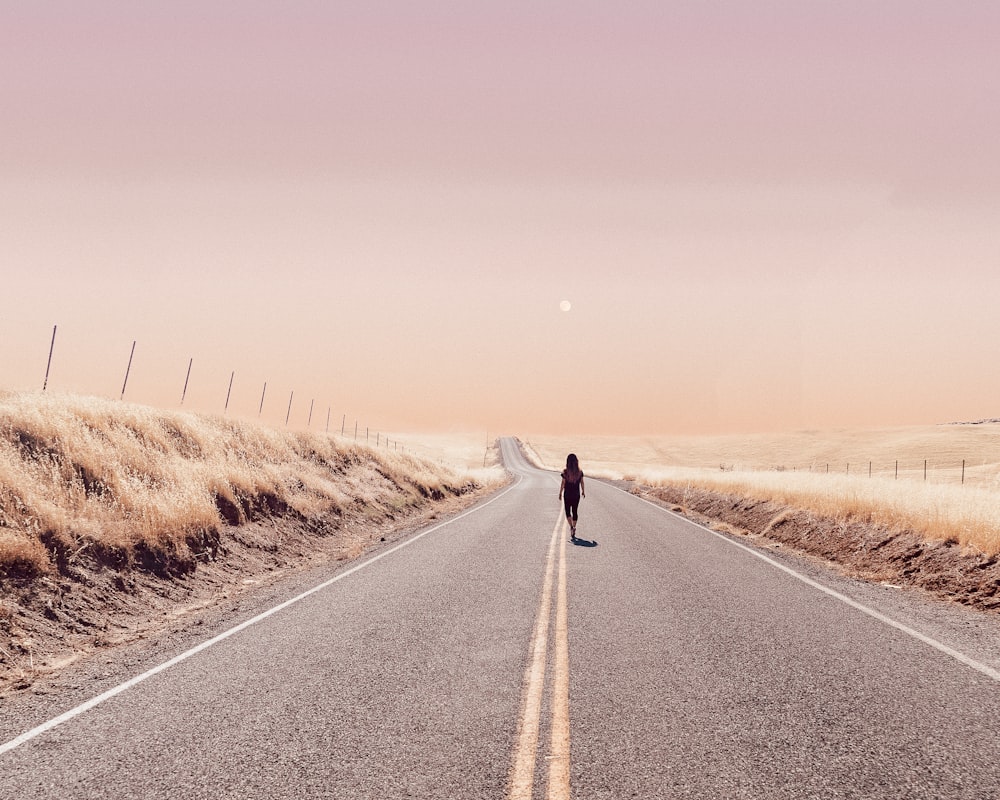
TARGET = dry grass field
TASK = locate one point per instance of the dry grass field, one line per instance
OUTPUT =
(826, 473)
(133, 486)
(943, 446)
(468, 451)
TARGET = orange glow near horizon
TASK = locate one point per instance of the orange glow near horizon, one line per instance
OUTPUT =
(763, 219)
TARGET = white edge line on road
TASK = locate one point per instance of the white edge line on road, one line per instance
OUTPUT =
(116, 690)
(940, 646)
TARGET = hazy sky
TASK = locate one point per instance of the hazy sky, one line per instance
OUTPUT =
(766, 215)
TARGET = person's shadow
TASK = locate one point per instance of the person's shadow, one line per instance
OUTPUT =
(584, 542)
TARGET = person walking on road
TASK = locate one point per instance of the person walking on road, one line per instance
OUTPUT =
(571, 490)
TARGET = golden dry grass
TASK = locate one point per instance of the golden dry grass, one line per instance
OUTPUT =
(943, 446)
(468, 449)
(82, 472)
(791, 469)
(969, 515)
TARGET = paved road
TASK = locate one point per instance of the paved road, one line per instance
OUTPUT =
(490, 658)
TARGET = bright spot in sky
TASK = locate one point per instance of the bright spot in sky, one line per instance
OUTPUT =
(565, 305)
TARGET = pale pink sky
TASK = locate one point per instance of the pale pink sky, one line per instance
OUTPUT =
(767, 215)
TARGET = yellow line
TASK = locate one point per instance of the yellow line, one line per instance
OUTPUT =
(523, 770)
(559, 755)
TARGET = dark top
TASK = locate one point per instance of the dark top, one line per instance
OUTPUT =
(571, 491)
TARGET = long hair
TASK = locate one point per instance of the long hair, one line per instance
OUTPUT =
(572, 466)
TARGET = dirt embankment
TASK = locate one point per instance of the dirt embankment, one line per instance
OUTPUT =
(89, 605)
(117, 519)
(860, 549)
(133, 485)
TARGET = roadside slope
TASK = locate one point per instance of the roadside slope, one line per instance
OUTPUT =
(943, 538)
(116, 519)
(860, 547)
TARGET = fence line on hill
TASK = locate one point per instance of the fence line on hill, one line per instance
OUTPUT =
(381, 440)
(925, 470)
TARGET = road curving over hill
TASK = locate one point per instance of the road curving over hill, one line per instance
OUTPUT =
(489, 657)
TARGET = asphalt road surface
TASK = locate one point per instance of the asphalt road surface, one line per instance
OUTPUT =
(489, 657)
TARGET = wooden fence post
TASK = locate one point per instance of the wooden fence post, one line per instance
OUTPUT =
(128, 369)
(186, 379)
(48, 366)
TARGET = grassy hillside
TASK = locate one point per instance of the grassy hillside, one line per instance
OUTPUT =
(130, 487)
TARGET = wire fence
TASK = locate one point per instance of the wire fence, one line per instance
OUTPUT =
(356, 433)
(929, 470)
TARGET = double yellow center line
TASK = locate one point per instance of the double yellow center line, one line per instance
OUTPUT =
(526, 746)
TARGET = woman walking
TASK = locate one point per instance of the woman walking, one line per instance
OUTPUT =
(571, 490)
